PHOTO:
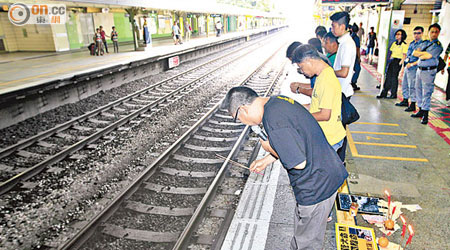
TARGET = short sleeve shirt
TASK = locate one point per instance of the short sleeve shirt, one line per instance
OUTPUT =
(435, 49)
(176, 30)
(398, 50)
(103, 34)
(409, 55)
(327, 94)
(346, 57)
(296, 137)
(331, 57)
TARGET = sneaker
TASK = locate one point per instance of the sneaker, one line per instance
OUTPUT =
(448, 103)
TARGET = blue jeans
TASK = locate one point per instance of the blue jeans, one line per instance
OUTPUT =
(338, 145)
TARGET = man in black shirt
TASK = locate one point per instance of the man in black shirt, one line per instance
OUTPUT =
(294, 136)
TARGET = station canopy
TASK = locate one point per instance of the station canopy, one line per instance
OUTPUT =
(191, 6)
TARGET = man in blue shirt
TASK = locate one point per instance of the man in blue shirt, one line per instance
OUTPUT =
(294, 136)
(357, 68)
(428, 54)
(409, 75)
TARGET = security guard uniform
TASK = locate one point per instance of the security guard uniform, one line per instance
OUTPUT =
(409, 78)
(426, 73)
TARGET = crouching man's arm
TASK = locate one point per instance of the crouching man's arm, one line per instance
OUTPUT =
(261, 164)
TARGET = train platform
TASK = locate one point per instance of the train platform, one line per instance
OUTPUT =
(30, 69)
(387, 150)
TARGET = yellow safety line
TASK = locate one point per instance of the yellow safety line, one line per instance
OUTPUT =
(378, 133)
(392, 158)
(376, 123)
(363, 95)
(59, 71)
(351, 143)
(386, 145)
(354, 151)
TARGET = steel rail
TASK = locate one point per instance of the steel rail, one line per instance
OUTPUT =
(37, 168)
(42, 135)
(79, 239)
(183, 240)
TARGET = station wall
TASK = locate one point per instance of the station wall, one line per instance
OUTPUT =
(419, 15)
(30, 37)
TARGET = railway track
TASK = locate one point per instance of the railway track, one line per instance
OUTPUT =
(162, 208)
(29, 157)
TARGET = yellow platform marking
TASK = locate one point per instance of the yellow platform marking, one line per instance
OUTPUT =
(62, 70)
(446, 133)
(372, 138)
(439, 123)
(49, 63)
(355, 153)
(363, 95)
(378, 123)
(385, 144)
(378, 133)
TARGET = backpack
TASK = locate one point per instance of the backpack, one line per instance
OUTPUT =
(349, 114)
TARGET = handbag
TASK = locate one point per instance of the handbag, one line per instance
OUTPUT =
(441, 64)
(349, 114)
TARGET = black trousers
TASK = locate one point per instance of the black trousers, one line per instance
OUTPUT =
(447, 90)
(391, 83)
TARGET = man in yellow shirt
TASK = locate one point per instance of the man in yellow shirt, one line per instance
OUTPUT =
(326, 97)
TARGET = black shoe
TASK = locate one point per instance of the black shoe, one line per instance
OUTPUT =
(392, 97)
(411, 108)
(356, 88)
(378, 86)
(419, 114)
(403, 103)
(381, 96)
(425, 117)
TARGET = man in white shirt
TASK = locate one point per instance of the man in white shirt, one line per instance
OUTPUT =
(346, 54)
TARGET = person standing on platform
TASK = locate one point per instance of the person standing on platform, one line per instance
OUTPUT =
(428, 54)
(409, 74)
(398, 49)
(102, 32)
(447, 89)
(357, 68)
(361, 32)
(176, 33)
(187, 31)
(99, 43)
(320, 31)
(345, 59)
(218, 28)
(317, 44)
(115, 39)
(331, 46)
(294, 136)
(372, 43)
(326, 96)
